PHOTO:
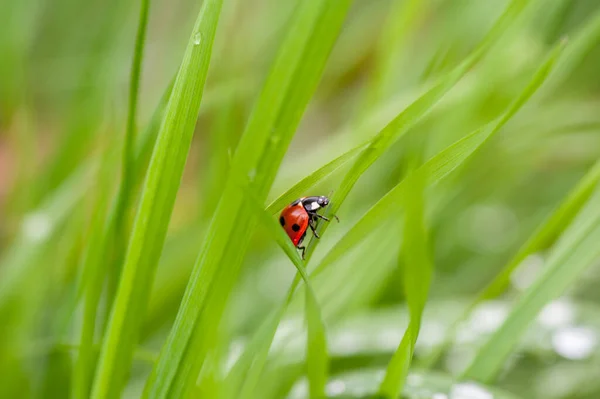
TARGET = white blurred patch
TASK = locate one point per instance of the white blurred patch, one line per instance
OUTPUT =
(575, 343)
(558, 313)
(36, 226)
(336, 387)
(488, 317)
(527, 272)
(469, 390)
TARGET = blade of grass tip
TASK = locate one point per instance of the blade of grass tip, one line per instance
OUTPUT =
(128, 161)
(316, 355)
(92, 282)
(404, 121)
(312, 179)
(293, 78)
(576, 250)
(417, 270)
(438, 167)
(156, 204)
(543, 236)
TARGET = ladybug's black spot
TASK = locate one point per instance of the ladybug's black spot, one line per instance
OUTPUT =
(281, 221)
(295, 227)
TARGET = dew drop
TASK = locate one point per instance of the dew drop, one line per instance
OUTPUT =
(197, 38)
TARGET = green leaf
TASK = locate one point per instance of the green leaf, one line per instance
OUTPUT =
(574, 252)
(312, 179)
(417, 270)
(410, 116)
(92, 280)
(545, 234)
(438, 167)
(156, 204)
(294, 76)
(316, 355)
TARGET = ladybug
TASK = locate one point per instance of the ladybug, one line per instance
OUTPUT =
(301, 214)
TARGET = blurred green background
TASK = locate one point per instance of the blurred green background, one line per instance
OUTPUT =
(64, 78)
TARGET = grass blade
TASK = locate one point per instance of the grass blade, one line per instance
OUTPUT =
(156, 204)
(312, 179)
(438, 167)
(128, 161)
(316, 355)
(417, 272)
(404, 121)
(574, 252)
(539, 240)
(292, 81)
(92, 282)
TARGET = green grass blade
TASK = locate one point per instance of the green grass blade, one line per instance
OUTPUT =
(575, 251)
(293, 78)
(92, 281)
(439, 166)
(316, 355)
(38, 228)
(156, 204)
(312, 179)
(417, 270)
(408, 118)
(545, 234)
(128, 162)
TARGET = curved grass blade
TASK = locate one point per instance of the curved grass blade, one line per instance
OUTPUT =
(156, 204)
(286, 92)
(309, 181)
(546, 233)
(417, 270)
(575, 251)
(439, 166)
(316, 356)
(408, 118)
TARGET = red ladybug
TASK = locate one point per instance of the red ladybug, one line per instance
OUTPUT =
(301, 214)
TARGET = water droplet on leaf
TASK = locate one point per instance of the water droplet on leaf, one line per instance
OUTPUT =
(197, 38)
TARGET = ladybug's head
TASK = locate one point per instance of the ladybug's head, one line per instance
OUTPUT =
(323, 201)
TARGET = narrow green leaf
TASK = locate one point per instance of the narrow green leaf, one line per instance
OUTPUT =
(417, 270)
(574, 252)
(289, 86)
(312, 179)
(409, 117)
(545, 234)
(156, 204)
(92, 282)
(128, 162)
(316, 355)
(437, 167)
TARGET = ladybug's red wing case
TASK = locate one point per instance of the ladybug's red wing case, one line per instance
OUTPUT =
(294, 220)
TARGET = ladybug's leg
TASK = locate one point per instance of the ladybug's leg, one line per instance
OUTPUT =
(303, 250)
(316, 215)
(312, 227)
